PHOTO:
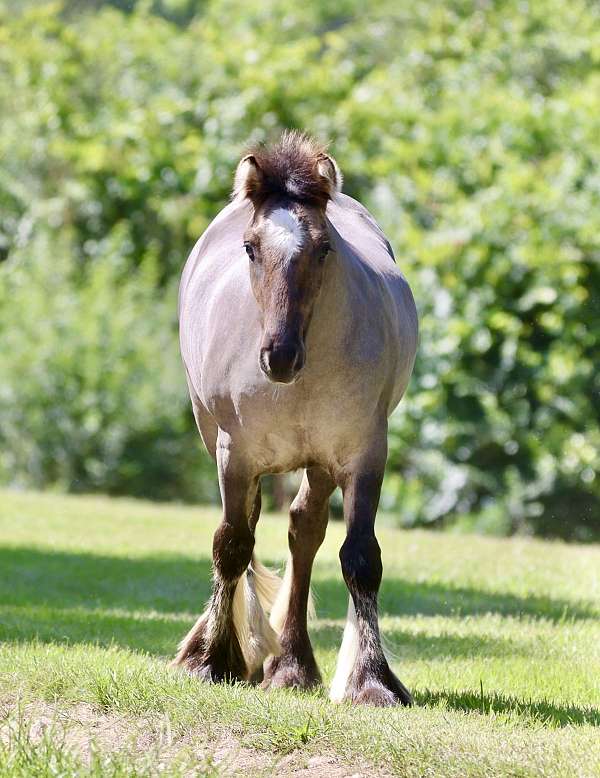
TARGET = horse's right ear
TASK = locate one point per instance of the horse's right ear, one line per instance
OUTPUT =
(248, 178)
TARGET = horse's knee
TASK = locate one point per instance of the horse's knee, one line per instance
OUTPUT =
(308, 522)
(232, 550)
(360, 557)
(300, 514)
(298, 509)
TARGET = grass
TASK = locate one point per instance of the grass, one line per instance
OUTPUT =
(499, 640)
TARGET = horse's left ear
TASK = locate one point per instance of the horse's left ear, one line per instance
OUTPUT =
(328, 169)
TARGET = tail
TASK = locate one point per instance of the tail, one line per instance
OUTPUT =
(255, 593)
(259, 593)
(281, 604)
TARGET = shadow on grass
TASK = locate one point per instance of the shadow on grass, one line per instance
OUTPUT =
(148, 604)
(401, 597)
(155, 636)
(548, 713)
(158, 634)
(411, 646)
(177, 583)
(165, 583)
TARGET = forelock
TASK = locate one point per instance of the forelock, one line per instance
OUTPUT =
(290, 169)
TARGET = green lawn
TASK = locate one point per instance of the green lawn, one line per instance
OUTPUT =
(499, 640)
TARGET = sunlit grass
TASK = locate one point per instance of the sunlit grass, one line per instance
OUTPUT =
(498, 639)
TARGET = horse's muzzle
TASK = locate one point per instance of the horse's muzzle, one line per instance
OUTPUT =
(282, 363)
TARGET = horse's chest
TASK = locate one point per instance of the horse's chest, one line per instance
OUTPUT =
(281, 449)
(277, 430)
(293, 429)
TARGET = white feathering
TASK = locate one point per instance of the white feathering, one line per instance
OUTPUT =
(346, 657)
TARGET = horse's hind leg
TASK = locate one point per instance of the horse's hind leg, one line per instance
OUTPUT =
(296, 665)
(213, 649)
(363, 674)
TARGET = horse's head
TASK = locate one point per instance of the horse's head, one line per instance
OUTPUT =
(287, 242)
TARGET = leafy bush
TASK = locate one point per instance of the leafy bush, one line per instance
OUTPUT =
(470, 130)
(92, 396)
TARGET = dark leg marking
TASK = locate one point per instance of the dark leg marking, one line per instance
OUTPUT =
(212, 649)
(370, 680)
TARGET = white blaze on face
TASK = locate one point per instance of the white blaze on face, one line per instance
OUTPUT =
(283, 232)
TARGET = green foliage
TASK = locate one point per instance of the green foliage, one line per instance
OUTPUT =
(95, 399)
(470, 130)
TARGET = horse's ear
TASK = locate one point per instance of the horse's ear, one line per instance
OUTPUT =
(248, 177)
(328, 170)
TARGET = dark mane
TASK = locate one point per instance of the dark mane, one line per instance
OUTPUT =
(289, 168)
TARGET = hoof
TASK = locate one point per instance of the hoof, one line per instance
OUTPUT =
(216, 662)
(257, 677)
(286, 673)
(381, 697)
(380, 692)
(199, 669)
(208, 673)
(375, 695)
(211, 668)
(214, 673)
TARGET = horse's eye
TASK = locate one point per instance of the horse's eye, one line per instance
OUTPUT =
(249, 251)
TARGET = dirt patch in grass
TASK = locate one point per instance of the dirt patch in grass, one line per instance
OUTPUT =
(87, 733)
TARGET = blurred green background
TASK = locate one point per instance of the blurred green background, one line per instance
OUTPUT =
(470, 129)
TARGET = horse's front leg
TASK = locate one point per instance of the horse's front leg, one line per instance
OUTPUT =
(212, 649)
(363, 674)
(309, 513)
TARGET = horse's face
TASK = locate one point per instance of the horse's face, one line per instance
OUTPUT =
(287, 244)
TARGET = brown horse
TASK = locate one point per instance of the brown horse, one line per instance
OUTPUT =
(298, 334)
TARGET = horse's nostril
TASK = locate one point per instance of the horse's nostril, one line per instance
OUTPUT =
(282, 362)
(264, 360)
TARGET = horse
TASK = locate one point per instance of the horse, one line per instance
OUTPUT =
(298, 334)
